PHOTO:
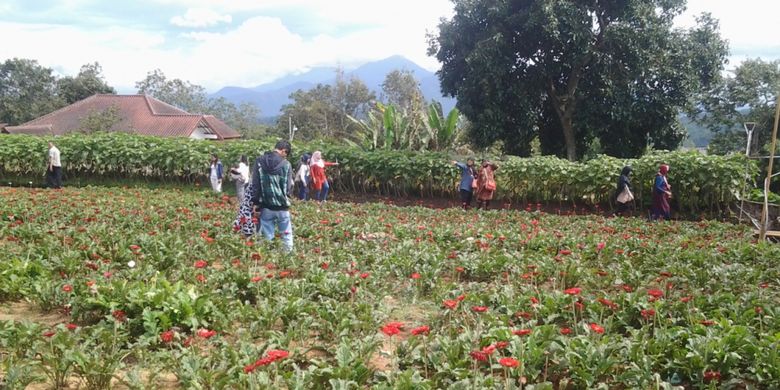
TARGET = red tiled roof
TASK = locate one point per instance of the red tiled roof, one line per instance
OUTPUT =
(140, 114)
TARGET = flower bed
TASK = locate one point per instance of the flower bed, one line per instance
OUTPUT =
(151, 284)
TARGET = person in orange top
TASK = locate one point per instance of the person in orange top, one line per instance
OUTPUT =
(319, 181)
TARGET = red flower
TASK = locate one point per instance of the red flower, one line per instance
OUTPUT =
(421, 330)
(608, 303)
(565, 252)
(201, 264)
(256, 279)
(415, 276)
(509, 362)
(565, 331)
(460, 298)
(600, 246)
(249, 368)
(534, 300)
(501, 344)
(711, 375)
(479, 356)
(647, 313)
(450, 303)
(206, 334)
(522, 332)
(134, 247)
(71, 326)
(460, 270)
(579, 305)
(324, 266)
(67, 288)
(167, 336)
(572, 291)
(390, 330)
(119, 315)
(49, 333)
(488, 350)
(707, 322)
(685, 299)
(655, 293)
(201, 278)
(627, 288)
(277, 354)
(479, 309)
(364, 275)
(107, 274)
(596, 328)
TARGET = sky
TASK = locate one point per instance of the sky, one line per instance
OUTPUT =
(215, 43)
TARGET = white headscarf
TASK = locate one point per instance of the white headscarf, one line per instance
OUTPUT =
(316, 159)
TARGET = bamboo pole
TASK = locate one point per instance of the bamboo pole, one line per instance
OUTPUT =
(767, 181)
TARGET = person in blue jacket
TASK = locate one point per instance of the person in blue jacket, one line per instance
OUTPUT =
(468, 177)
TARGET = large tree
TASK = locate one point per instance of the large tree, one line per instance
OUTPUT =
(87, 82)
(569, 71)
(179, 93)
(749, 94)
(27, 91)
(323, 111)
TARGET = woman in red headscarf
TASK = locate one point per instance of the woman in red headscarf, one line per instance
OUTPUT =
(662, 192)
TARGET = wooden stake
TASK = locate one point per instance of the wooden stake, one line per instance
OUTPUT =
(768, 180)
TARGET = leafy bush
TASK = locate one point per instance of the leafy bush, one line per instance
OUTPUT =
(699, 181)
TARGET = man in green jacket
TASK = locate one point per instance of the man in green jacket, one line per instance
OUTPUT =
(272, 181)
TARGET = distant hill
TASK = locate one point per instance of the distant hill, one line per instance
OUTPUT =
(270, 97)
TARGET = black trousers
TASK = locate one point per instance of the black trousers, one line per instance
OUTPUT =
(465, 198)
(54, 177)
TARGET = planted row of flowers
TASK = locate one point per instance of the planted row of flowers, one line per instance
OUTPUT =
(155, 284)
(700, 182)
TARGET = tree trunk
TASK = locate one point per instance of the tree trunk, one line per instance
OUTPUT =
(568, 137)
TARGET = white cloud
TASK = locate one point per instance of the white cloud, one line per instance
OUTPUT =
(200, 17)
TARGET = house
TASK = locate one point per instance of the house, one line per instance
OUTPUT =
(138, 114)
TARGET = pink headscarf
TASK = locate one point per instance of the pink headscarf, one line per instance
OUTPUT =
(316, 159)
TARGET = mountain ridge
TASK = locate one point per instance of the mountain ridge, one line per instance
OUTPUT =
(270, 97)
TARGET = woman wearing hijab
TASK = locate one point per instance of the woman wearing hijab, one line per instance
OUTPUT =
(662, 192)
(319, 182)
(468, 181)
(623, 193)
(486, 184)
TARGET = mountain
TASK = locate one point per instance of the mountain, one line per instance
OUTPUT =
(270, 97)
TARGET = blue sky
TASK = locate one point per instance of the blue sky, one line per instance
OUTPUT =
(216, 43)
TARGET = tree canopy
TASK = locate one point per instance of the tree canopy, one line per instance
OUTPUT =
(87, 82)
(27, 91)
(573, 71)
(748, 94)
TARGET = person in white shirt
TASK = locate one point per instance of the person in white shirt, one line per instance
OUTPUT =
(54, 169)
(241, 176)
(302, 177)
(215, 175)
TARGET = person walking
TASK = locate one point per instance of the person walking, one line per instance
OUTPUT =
(272, 184)
(468, 181)
(662, 192)
(623, 193)
(215, 174)
(486, 184)
(319, 181)
(54, 168)
(240, 175)
(303, 177)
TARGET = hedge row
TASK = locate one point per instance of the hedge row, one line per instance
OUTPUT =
(699, 181)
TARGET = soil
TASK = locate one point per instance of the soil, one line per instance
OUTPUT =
(25, 311)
